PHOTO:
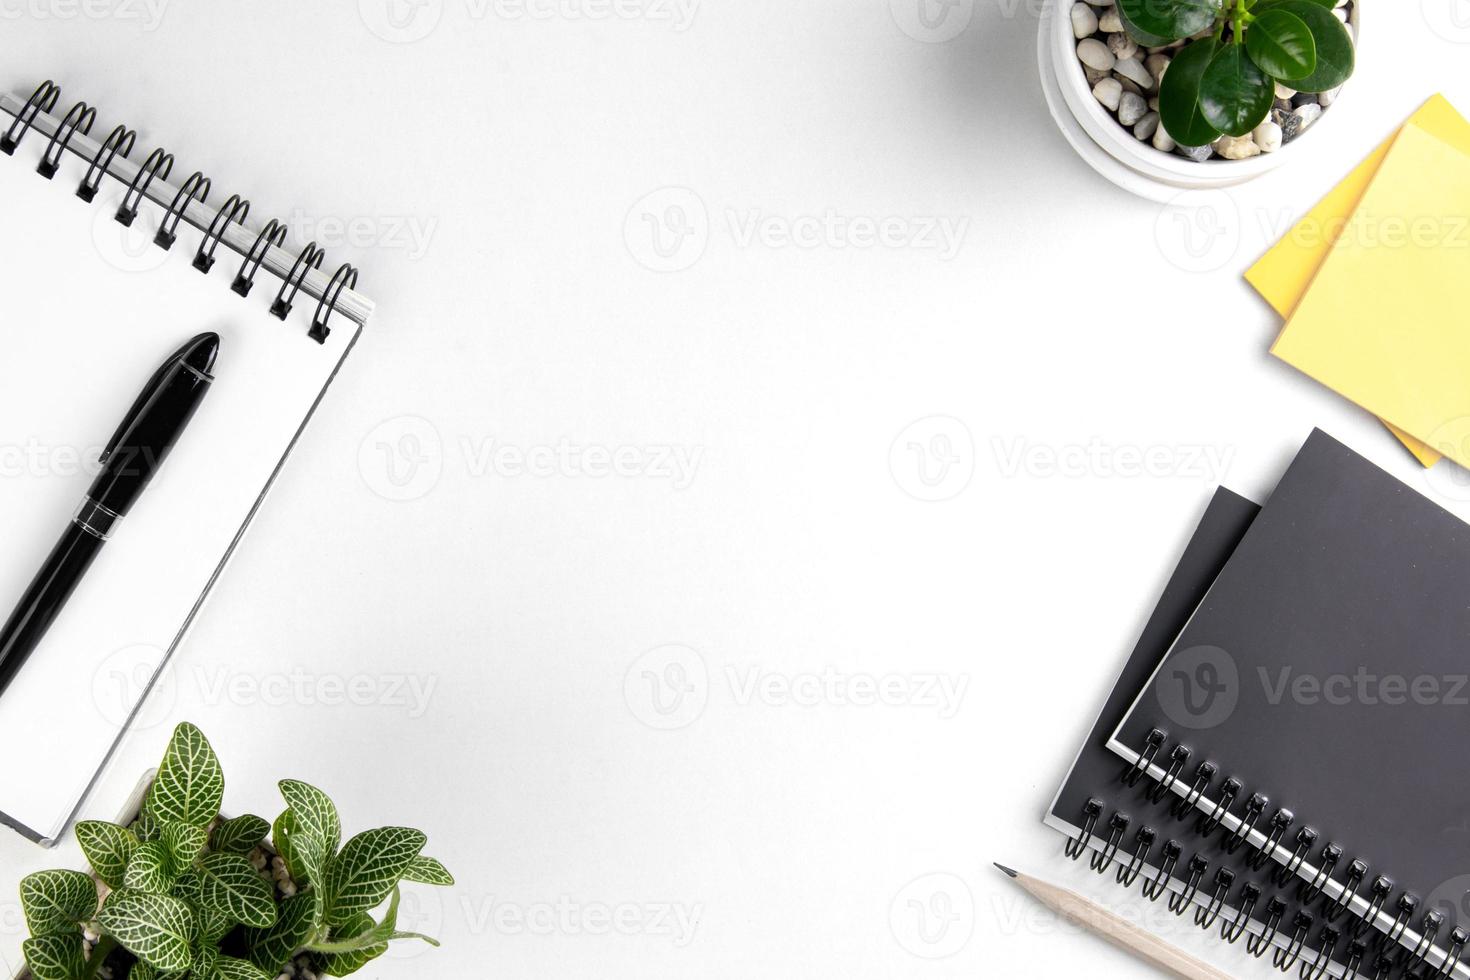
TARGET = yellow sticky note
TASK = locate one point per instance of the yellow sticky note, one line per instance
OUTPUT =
(1383, 322)
(1284, 273)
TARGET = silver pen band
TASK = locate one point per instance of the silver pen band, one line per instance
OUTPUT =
(96, 519)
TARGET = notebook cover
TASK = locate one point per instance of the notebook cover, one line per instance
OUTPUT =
(1326, 669)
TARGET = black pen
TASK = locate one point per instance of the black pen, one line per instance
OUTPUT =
(132, 457)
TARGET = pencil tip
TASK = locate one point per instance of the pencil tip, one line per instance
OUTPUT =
(1006, 870)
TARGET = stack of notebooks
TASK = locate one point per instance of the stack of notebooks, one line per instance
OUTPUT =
(1371, 284)
(1280, 757)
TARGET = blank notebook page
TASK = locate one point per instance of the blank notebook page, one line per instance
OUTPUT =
(91, 310)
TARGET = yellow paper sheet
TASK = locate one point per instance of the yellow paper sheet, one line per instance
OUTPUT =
(1283, 274)
(1383, 322)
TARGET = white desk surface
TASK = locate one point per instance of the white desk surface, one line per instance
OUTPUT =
(494, 179)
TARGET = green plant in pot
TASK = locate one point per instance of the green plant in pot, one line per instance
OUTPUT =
(181, 893)
(1223, 81)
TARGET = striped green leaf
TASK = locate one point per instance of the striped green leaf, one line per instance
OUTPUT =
(230, 968)
(57, 902)
(157, 929)
(272, 949)
(108, 848)
(183, 843)
(55, 957)
(149, 869)
(241, 835)
(428, 871)
(315, 812)
(233, 887)
(348, 962)
(368, 869)
(190, 785)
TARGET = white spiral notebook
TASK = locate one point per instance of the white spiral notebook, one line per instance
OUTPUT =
(92, 307)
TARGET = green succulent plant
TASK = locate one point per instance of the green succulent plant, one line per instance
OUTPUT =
(1223, 81)
(184, 898)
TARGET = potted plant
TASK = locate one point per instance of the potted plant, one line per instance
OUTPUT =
(1192, 94)
(182, 893)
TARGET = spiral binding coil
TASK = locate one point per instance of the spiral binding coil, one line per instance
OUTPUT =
(1366, 950)
(120, 142)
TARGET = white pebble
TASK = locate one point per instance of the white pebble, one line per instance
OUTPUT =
(1267, 136)
(1163, 141)
(1131, 108)
(1236, 148)
(1147, 126)
(1155, 65)
(1094, 76)
(1122, 46)
(1308, 114)
(1133, 70)
(1095, 54)
(1084, 21)
(1282, 92)
(1326, 99)
(1109, 92)
(1111, 22)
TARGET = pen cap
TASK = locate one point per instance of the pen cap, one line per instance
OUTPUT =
(153, 425)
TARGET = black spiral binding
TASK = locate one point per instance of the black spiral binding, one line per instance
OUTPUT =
(1367, 952)
(159, 164)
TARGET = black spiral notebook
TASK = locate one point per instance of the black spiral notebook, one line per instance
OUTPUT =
(1313, 714)
(1144, 839)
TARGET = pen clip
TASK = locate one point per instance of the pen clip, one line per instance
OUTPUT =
(141, 401)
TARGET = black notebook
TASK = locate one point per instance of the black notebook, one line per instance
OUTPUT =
(1314, 710)
(1143, 838)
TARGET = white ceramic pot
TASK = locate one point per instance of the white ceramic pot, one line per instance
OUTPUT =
(1112, 150)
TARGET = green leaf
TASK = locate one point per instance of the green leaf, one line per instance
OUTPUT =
(155, 928)
(190, 785)
(1168, 20)
(183, 843)
(108, 848)
(241, 835)
(344, 963)
(189, 886)
(315, 812)
(271, 949)
(57, 902)
(213, 926)
(145, 828)
(1235, 95)
(428, 871)
(1280, 43)
(368, 869)
(55, 957)
(283, 834)
(1179, 96)
(149, 869)
(1336, 57)
(230, 968)
(233, 887)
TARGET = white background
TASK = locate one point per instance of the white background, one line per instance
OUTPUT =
(1070, 322)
